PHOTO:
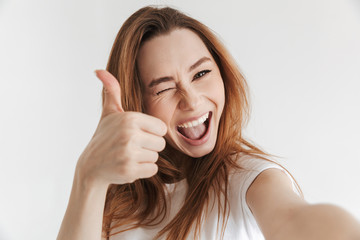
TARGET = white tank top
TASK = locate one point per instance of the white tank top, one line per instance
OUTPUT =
(241, 223)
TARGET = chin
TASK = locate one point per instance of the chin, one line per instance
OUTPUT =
(197, 154)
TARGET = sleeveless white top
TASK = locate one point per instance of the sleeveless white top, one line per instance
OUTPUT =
(241, 223)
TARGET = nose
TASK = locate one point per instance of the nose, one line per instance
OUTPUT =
(190, 99)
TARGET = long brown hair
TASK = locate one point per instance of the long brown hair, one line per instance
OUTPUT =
(142, 203)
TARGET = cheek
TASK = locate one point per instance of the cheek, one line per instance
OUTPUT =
(219, 92)
(162, 109)
(215, 91)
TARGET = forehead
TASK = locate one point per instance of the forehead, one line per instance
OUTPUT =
(175, 51)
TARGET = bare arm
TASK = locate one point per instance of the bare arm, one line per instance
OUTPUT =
(84, 214)
(123, 149)
(282, 214)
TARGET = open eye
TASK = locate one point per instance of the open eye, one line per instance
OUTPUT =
(201, 73)
(164, 90)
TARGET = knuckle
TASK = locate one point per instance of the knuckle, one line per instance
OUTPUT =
(125, 170)
(126, 133)
(130, 119)
(121, 169)
(127, 138)
(126, 160)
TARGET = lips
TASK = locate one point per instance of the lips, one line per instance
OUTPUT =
(196, 131)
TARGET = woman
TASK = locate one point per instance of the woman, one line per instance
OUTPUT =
(168, 160)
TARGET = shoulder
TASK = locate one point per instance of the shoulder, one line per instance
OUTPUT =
(250, 167)
(272, 198)
(243, 190)
(283, 214)
(271, 187)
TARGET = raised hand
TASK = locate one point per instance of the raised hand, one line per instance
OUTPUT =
(125, 145)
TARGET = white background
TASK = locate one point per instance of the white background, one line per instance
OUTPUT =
(301, 59)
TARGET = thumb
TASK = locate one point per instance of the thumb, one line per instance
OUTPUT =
(112, 93)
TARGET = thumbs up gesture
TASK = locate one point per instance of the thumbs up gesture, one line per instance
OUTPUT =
(125, 145)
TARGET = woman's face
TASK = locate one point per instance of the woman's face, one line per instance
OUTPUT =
(183, 87)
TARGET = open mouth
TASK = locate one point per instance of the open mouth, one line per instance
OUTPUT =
(197, 129)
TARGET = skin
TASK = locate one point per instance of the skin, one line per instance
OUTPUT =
(282, 214)
(112, 156)
(125, 147)
(187, 94)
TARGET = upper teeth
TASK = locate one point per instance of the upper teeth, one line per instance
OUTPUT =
(196, 122)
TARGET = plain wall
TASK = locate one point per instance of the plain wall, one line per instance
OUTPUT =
(300, 58)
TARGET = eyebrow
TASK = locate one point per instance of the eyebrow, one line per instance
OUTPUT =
(167, 79)
(198, 63)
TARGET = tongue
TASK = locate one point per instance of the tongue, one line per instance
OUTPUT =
(194, 132)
